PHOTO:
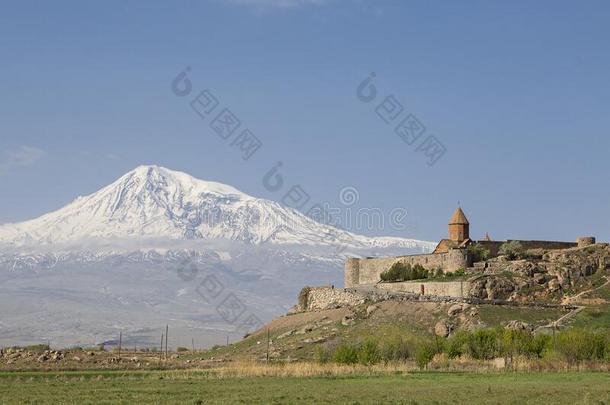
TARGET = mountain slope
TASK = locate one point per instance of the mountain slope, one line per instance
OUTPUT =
(155, 202)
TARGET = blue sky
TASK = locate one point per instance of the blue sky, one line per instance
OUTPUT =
(517, 92)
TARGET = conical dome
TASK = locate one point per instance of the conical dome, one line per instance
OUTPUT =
(458, 217)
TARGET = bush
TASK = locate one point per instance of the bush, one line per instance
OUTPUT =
(460, 272)
(425, 353)
(182, 349)
(538, 346)
(419, 272)
(477, 252)
(322, 354)
(346, 354)
(394, 272)
(483, 344)
(576, 345)
(522, 342)
(397, 349)
(512, 250)
(369, 352)
(38, 348)
(457, 344)
(404, 272)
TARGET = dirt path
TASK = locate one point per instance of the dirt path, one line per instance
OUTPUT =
(570, 300)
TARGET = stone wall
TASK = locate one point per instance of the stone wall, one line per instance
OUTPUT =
(319, 298)
(368, 271)
(494, 246)
(457, 289)
(585, 241)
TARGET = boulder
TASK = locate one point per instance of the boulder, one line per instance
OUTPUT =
(457, 308)
(519, 325)
(492, 287)
(348, 320)
(554, 285)
(442, 329)
(286, 334)
(523, 267)
(370, 309)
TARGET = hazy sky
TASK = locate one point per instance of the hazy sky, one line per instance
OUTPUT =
(516, 91)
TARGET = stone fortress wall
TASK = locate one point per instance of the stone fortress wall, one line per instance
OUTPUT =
(456, 289)
(494, 246)
(363, 271)
(450, 255)
(368, 270)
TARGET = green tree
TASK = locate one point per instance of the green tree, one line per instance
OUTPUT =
(425, 353)
(512, 250)
(477, 252)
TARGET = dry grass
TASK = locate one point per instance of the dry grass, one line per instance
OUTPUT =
(441, 363)
(306, 369)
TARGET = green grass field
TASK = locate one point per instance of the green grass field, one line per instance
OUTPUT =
(198, 387)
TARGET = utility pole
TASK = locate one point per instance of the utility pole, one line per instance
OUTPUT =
(193, 343)
(166, 335)
(161, 348)
(120, 342)
(227, 340)
(267, 345)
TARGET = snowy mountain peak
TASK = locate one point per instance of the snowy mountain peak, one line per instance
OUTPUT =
(154, 176)
(156, 202)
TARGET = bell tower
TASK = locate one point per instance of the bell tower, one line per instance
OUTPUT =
(459, 226)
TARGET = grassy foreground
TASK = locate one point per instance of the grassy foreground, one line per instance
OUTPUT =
(204, 387)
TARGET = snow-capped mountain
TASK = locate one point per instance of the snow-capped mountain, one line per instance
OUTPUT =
(154, 202)
(139, 253)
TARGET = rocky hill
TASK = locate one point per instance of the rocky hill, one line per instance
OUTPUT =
(541, 276)
(538, 292)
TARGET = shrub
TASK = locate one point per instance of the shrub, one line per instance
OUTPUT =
(521, 342)
(369, 352)
(457, 344)
(419, 272)
(346, 354)
(460, 272)
(512, 250)
(425, 353)
(395, 272)
(576, 345)
(396, 350)
(404, 272)
(477, 252)
(182, 349)
(538, 345)
(322, 354)
(483, 344)
(38, 348)
(438, 273)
